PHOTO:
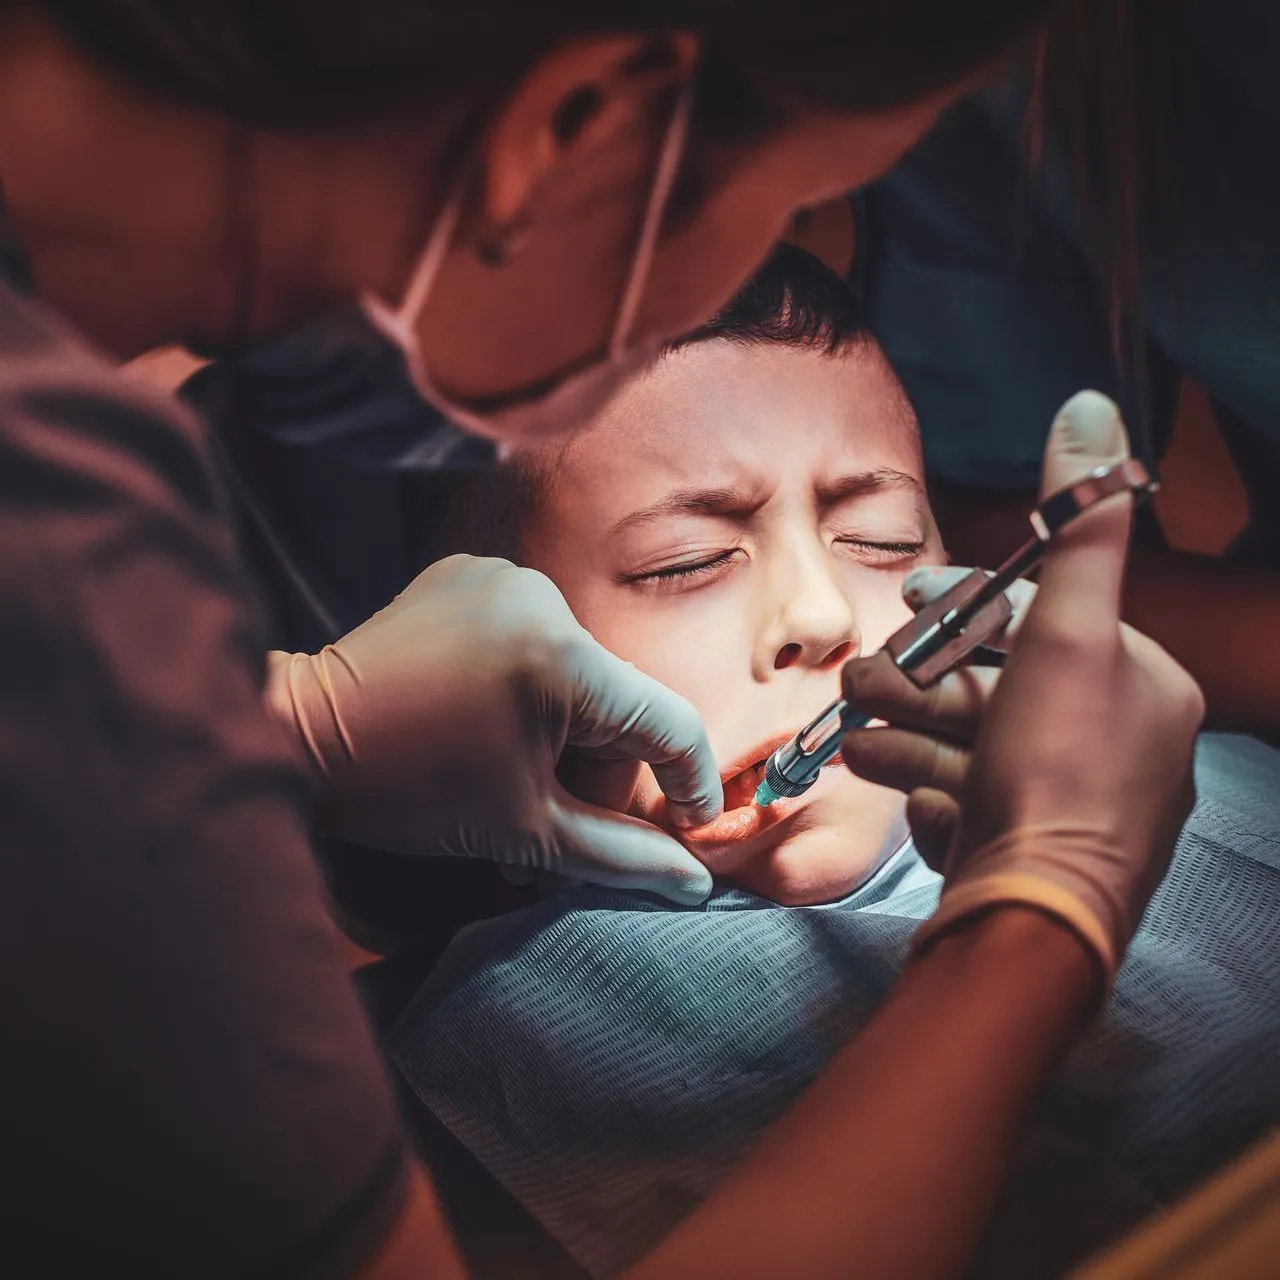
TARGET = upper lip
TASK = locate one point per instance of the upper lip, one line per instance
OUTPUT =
(731, 775)
(756, 756)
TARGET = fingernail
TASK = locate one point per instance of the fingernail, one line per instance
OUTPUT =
(1090, 424)
(693, 890)
(916, 584)
(686, 818)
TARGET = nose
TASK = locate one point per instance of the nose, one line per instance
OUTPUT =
(810, 621)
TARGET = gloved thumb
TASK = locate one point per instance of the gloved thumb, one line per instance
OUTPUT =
(605, 847)
(1088, 433)
(1084, 564)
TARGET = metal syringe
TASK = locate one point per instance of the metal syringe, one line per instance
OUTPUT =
(945, 633)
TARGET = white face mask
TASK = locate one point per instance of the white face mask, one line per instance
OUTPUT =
(582, 392)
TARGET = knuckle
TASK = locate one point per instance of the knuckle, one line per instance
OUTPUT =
(934, 763)
(552, 647)
(1180, 695)
(451, 565)
(950, 767)
(933, 702)
(851, 678)
(1191, 701)
(876, 682)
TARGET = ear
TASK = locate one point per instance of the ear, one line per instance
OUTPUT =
(580, 97)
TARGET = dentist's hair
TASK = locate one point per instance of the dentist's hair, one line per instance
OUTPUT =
(318, 64)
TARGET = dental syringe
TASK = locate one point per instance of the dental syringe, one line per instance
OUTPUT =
(947, 632)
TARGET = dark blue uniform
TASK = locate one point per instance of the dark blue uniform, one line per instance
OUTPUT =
(990, 300)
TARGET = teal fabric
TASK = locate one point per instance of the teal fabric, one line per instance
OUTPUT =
(607, 1059)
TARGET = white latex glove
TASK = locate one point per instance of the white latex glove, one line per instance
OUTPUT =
(1081, 774)
(437, 727)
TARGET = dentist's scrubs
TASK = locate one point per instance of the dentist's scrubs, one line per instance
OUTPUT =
(146, 801)
(987, 300)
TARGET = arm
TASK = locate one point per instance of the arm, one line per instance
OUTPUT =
(191, 1086)
(892, 1160)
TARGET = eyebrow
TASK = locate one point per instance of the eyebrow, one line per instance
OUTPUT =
(861, 483)
(736, 502)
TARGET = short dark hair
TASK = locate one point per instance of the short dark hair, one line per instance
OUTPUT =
(316, 64)
(794, 300)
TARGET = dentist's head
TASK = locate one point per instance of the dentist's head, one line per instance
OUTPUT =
(528, 198)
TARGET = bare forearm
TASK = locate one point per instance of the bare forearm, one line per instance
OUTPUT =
(890, 1164)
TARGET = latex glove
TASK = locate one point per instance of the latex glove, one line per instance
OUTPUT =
(1080, 775)
(437, 727)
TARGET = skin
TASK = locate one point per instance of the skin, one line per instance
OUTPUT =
(737, 575)
(140, 217)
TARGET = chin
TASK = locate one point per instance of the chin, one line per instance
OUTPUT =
(806, 852)
(821, 865)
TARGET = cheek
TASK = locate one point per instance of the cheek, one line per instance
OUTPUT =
(880, 609)
(696, 647)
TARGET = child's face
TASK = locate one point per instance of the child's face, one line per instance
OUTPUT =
(738, 524)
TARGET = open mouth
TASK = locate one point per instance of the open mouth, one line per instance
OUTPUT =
(743, 820)
(744, 774)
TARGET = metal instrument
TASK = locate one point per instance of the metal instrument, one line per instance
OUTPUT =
(949, 631)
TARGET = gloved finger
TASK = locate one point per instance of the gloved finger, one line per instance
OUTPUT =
(952, 708)
(925, 585)
(604, 782)
(613, 849)
(1083, 568)
(906, 761)
(934, 818)
(623, 711)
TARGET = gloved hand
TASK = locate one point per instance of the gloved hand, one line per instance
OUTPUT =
(437, 726)
(1080, 777)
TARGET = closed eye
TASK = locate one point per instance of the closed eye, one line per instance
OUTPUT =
(690, 569)
(883, 552)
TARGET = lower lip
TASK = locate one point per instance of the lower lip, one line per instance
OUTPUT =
(735, 827)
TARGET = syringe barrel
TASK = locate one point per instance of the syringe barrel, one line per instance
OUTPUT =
(793, 769)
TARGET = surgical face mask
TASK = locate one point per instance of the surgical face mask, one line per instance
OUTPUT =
(585, 390)
(333, 386)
